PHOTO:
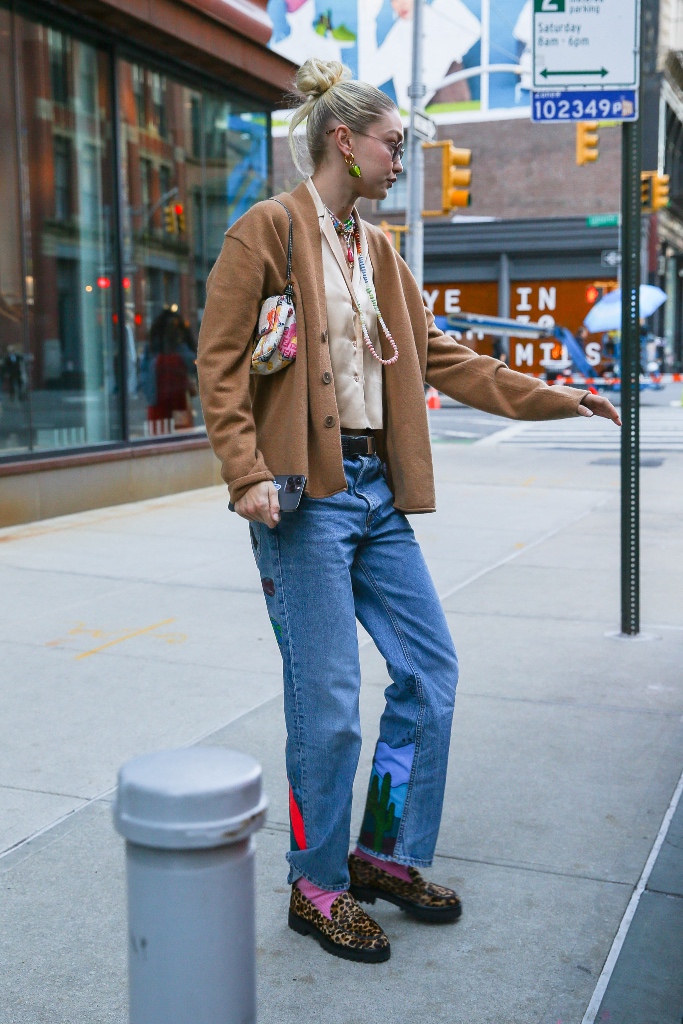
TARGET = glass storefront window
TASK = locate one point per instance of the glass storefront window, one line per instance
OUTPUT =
(74, 367)
(190, 166)
(70, 238)
(14, 406)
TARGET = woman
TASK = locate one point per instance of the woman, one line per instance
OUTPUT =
(349, 415)
(167, 373)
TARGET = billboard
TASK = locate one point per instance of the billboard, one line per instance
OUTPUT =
(564, 302)
(477, 53)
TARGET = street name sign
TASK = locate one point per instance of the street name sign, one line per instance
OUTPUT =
(603, 220)
(586, 44)
(584, 105)
(424, 127)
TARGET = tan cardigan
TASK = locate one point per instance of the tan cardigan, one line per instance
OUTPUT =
(288, 422)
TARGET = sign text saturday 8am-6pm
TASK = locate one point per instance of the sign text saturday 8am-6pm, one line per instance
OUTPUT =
(586, 43)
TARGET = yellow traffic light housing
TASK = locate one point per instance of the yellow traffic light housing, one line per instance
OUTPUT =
(169, 219)
(180, 217)
(587, 142)
(646, 180)
(456, 177)
(660, 191)
(395, 230)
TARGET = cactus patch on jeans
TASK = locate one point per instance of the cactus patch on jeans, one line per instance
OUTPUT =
(277, 629)
(391, 768)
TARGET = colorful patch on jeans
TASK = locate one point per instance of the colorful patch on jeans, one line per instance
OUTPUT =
(268, 587)
(387, 794)
(277, 629)
(296, 824)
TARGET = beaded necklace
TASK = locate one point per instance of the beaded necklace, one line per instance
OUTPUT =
(346, 230)
(350, 232)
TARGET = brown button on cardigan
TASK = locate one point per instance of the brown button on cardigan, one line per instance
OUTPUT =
(264, 426)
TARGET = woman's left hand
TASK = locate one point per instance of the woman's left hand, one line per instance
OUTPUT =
(597, 405)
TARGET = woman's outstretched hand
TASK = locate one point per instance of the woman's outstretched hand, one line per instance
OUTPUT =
(260, 504)
(598, 405)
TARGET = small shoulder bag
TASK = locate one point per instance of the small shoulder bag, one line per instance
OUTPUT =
(274, 345)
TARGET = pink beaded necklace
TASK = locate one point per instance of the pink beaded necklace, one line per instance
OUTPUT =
(350, 232)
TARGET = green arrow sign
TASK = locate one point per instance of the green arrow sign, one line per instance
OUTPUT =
(549, 74)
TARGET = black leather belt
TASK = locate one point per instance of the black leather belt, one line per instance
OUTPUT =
(353, 445)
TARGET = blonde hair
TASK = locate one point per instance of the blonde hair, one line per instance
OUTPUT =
(326, 92)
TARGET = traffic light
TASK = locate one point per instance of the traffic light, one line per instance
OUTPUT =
(169, 219)
(587, 141)
(598, 290)
(457, 177)
(180, 218)
(646, 179)
(660, 191)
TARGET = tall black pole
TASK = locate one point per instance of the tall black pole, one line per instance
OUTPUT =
(630, 378)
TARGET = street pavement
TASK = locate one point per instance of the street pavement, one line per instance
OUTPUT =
(143, 627)
(661, 426)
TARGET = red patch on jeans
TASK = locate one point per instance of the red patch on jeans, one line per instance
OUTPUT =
(297, 822)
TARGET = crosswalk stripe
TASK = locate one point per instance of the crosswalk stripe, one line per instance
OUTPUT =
(661, 429)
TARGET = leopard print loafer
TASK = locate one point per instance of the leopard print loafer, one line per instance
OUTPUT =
(419, 898)
(351, 934)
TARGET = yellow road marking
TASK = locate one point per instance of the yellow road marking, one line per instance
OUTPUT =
(529, 480)
(128, 636)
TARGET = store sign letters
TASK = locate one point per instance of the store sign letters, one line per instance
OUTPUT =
(561, 302)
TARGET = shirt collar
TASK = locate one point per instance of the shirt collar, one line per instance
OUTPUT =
(319, 205)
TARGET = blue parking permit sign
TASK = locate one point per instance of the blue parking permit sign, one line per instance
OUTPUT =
(584, 105)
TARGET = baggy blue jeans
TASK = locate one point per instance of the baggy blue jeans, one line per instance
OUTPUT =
(334, 560)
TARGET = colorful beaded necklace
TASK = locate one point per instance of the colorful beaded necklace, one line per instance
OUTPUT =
(349, 231)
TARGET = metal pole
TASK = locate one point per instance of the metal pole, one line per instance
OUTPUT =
(630, 379)
(119, 201)
(188, 817)
(504, 297)
(417, 90)
(485, 60)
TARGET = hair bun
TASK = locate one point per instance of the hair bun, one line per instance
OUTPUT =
(316, 76)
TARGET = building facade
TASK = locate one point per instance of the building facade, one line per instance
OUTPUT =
(130, 144)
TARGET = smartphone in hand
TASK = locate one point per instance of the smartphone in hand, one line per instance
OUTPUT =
(289, 491)
(289, 488)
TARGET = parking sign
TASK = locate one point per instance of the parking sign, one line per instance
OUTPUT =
(589, 44)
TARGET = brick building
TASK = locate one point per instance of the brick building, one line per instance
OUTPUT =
(520, 171)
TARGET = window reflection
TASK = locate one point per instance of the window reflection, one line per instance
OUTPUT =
(14, 405)
(192, 163)
(75, 386)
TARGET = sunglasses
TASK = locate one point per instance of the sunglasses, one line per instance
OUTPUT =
(397, 149)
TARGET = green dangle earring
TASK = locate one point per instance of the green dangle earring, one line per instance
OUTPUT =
(354, 169)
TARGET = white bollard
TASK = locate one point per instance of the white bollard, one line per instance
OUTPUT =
(188, 817)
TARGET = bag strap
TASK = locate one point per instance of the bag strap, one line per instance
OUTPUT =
(289, 288)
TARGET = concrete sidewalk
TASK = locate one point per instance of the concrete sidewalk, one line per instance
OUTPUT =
(143, 626)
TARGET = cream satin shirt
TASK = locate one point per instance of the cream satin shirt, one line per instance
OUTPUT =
(357, 374)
